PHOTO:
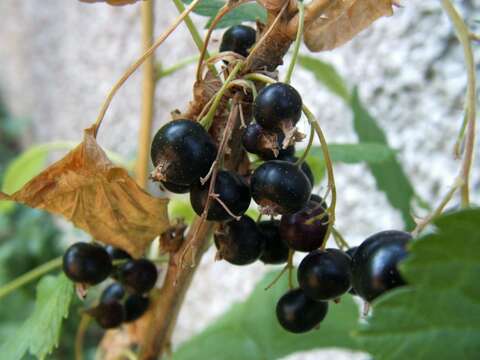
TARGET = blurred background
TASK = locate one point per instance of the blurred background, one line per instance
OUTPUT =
(58, 60)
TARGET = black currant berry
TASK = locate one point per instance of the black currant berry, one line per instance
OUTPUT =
(108, 315)
(325, 275)
(87, 263)
(280, 187)
(174, 188)
(267, 145)
(112, 293)
(239, 39)
(298, 230)
(350, 252)
(182, 152)
(276, 251)
(305, 167)
(319, 200)
(231, 189)
(277, 106)
(135, 306)
(298, 313)
(375, 263)
(239, 242)
(117, 253)
(139, 275)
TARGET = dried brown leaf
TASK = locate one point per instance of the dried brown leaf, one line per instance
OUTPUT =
(342, 21)
(98, 197)
(112, 2)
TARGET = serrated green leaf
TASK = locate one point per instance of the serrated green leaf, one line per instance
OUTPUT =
(438, 315)
(40, 333)
(389, 175)
(327, 75)
(249, 330)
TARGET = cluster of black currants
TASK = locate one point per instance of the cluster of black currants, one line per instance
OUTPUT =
(368, 271)
(126, 299)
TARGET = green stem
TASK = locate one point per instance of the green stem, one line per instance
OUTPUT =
(464, 36)
(331, 177)
(298, 41)
(30, 276)
(307, 149)
(161, 73)
(259, 77)
(197, 39)
(339, 239)
(207, 120)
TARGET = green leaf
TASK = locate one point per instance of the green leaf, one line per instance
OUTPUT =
(40, 333)
(389, 175)
(326, 74)
(249, 330)
(438, 315)
(245, 12)
(242, 13)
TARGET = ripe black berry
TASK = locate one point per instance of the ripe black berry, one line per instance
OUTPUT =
(139, 275)
(276, 251)
(239, 242)
(108, 315)
(305, 167)
(87, 263)
(117, 253)
(375, 263)
(298, 313)
(267, 145)
(280, 187)
(350, 252)
(112, 293)
(182, 152)
(175, 188)
(239, 39)
(277, 106)
(298, 230)
(135, 306)
(232, 190)
(325, 275)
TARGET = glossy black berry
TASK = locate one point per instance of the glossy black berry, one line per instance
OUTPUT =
(182, 152)
(239, 242)
(350, 252)
(112, 293)
(175, 188)
(305, 230)
(268, 145)
(325, 274)
(297, 313)
(375, 263)
(139, 275)
(232, 190)
(87, 263)
(276, 251)
(307, 170)
(117, 253)
(108, 315)
(135, 306)
(239, 39)
(277, 106)
(280, 187)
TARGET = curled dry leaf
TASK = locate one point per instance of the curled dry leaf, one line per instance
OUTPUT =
(113, 2)
(342, 21)
(98, 197)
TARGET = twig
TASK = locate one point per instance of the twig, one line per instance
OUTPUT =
(148, 95)
(298, 41)
(139, 62)
(463, 34)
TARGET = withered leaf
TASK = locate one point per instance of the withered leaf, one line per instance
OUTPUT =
(98, 197)
(112, 2)
(342, 21)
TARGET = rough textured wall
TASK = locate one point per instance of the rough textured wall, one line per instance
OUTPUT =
(58, 60)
